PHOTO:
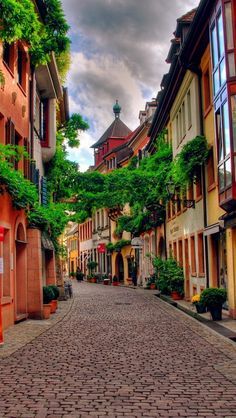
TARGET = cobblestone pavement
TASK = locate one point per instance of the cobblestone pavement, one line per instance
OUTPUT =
(121, 353)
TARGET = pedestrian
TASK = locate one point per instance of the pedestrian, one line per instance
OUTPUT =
(79, 274)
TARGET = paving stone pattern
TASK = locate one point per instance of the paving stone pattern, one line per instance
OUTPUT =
(120, 353)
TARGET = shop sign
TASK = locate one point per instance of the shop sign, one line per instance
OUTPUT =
(101, 248)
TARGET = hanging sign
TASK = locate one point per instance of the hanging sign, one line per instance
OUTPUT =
(101, 248)
(137, 242)
(1, 234)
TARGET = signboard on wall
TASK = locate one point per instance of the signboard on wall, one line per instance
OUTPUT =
(101, 248)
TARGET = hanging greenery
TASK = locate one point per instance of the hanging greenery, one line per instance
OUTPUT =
(20, 21)
(118, 245)
(188, 162)
(24, 194)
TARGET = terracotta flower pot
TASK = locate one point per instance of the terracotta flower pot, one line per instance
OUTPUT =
(53, 305)
(153, 286)
(176, 296)
(115, 283)
(106, 282)
(46, 311)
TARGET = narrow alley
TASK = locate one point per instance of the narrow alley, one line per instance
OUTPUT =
(120, 352)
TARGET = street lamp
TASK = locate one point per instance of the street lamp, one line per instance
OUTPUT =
(171, 190)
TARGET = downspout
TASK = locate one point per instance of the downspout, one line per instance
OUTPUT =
(32, 92)
(196, 70)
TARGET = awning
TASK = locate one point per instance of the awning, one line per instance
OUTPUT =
(210, 230)
(47, 242)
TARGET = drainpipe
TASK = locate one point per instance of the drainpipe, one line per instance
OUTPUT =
(32, 93)
(196, 70)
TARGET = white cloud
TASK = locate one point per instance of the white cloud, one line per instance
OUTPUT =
(119, 50)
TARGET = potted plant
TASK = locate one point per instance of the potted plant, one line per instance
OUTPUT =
(177, 288)
(151, 282)
(56, 295)
(176, 279)
(200, 307)
(91, 265)
(115, 281)
(48, 296)
(213, 298)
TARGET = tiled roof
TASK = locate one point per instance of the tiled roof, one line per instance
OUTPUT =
(117, 129)
(188, 17)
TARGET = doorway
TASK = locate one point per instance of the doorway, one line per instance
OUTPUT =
(120, 267)
(187, 270)
(20, 274)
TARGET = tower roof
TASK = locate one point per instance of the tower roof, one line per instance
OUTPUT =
(117, 129)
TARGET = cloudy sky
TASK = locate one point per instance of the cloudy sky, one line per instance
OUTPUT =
(119, 49)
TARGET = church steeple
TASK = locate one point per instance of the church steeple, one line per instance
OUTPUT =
(117, 109)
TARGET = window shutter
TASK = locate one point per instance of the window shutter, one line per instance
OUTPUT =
(44, 191)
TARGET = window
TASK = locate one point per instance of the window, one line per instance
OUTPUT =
(190, 191)
(223, 138)
(178, 203)
(230, 39)
(43, 120)
(218, 57)
(177, 128)
(21, 68)
(7, 264)
(193, 255)
(233, 115)
(201, 267)
(183, 119)
(199, 184)
(8, 55)
(189, 109)
(175, 250)
(180, 245)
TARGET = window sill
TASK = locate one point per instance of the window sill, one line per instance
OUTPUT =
(201, 275)
(8, 69)
(22, 89)
(211, 187)
(194, 274)
(7, 300)
(207, 111)
(198, 198)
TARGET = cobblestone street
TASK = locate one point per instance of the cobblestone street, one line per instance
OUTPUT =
(121, 352)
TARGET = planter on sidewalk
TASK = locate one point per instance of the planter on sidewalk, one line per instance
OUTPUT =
(46, 311)
(53, 305)
(176, 295)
